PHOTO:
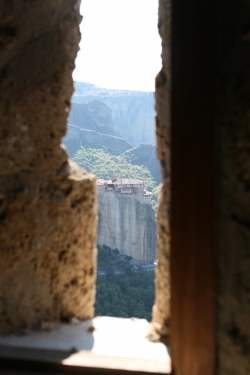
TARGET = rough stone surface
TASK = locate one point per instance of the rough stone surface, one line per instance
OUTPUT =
(161, 309)
(233, 134)
(127, 225)
(47, 206)
(233, 119)
(47, 266)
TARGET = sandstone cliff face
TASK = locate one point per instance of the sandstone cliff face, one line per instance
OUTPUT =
(94, 139)
(128, 225)
(133, 116)
(145, 154)
(48, 206)
(94, 115)
(132, 111)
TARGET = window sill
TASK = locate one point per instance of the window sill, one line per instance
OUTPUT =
(99, 344)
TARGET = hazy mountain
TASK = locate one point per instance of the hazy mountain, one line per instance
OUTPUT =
(133, 112)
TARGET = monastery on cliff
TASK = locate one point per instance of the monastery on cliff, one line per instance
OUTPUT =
(130, 187)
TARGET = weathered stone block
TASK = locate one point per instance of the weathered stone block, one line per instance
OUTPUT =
(48, 207)
(47, 234)
(161, 309)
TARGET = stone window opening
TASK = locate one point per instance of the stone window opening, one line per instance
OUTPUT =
(41, 192)
(49, 200)
(140, 197)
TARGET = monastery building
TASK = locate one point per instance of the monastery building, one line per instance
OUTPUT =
(130, 187)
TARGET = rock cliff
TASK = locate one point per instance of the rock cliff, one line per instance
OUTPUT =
(132, 111)
(128, 225)
(94, 115)
(94, 139)
(145, 154)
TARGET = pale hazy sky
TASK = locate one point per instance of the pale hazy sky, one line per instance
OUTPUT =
(120, 46)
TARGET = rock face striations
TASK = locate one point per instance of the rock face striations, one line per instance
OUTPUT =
(145, 154)
(124, 222)
(94, 139)
(127, 225)
(93, 116)
(91, 125)
(132, 111)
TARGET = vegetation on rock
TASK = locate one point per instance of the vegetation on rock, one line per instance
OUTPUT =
(127, 294)
(103, 165)
(154, 197)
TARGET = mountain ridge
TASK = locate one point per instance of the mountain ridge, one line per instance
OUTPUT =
(133, 112)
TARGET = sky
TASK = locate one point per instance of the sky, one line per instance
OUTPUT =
(120, 45)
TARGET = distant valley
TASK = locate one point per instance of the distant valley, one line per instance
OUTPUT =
(132, 111)
(111, 133)
(120, 121)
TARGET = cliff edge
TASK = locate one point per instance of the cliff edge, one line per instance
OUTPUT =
(127, 225)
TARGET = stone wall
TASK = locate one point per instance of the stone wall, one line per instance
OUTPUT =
(161, 309)
(233, 97)
(233, 161)
(47, 206)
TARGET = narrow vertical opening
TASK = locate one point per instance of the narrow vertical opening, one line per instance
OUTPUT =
(111, 133)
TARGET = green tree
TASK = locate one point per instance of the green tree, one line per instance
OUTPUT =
(154, 197)
(131, 293)
(103, 165)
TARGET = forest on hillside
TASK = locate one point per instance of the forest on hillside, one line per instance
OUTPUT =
(121, 290)
(103, 164)
(129, 293)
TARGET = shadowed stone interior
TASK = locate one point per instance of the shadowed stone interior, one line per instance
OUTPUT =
(233, 124)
